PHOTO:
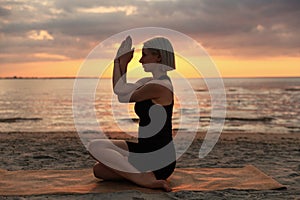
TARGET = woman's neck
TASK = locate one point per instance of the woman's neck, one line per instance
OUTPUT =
(157, 75)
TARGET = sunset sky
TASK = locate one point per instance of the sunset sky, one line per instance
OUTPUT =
(245, 38)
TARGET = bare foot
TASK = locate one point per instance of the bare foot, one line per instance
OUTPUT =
(162, 184)
(148, 180)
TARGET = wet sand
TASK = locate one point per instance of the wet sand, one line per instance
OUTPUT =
(277, 155)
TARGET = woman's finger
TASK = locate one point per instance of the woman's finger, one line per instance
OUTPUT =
(128, 44)
(125, 47)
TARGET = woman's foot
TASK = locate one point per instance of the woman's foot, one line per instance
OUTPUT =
(149, 180)
(162, 184)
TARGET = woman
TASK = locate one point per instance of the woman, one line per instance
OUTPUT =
(154, 106)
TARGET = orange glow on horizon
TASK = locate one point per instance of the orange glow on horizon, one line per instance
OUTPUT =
(228, 67)
(263, 67)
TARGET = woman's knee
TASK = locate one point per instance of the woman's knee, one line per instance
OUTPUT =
(96, 145)
(101, 171)
(97, 170)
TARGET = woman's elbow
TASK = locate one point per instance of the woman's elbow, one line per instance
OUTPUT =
(120, 92)
(116, 91)
(123, 99)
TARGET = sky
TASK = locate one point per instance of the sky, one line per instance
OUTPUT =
(244, 38)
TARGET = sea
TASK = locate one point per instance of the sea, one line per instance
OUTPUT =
(260, 105)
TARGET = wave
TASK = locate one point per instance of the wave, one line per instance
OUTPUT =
(257, 119)
(18, 119)
(136, 120)
(201, 90)
(293, 89)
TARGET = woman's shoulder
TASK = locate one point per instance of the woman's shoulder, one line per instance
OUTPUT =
(165, 83)
(144, 80)
(157, 85)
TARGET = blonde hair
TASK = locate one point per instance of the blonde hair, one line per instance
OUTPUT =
(163, 47)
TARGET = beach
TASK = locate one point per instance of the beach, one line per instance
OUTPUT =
(277, 155)
(37, 132)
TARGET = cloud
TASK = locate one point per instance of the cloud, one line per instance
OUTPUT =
(129, 10)
(39, 35)
(70, 29)
(4, 12)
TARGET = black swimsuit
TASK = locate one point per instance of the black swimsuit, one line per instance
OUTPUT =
(157, 139)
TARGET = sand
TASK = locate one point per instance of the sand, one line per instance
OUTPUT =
(277, 155)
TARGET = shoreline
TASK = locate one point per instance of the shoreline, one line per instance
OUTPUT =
(199, 135)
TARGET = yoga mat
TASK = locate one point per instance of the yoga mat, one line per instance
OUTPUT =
(34, 182)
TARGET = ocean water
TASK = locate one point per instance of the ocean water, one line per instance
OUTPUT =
(267, 105)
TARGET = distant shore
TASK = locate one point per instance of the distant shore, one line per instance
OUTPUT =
(73, 77)
(66, 77)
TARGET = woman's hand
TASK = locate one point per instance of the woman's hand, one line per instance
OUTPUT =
(125, 53)
(125, 59)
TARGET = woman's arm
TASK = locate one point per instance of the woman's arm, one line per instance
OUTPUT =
(131, 92)
(123, 57)
(119, 78)
(120, 85)
(151, 90)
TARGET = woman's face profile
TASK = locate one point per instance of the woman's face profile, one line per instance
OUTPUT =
(147, 58)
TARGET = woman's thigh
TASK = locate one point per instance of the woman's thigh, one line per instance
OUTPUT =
(117, 145)
(121, 144)
(101, 171)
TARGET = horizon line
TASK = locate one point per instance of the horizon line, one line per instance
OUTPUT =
(94, 77)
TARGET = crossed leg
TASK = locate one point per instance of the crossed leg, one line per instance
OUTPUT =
(112, 157)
